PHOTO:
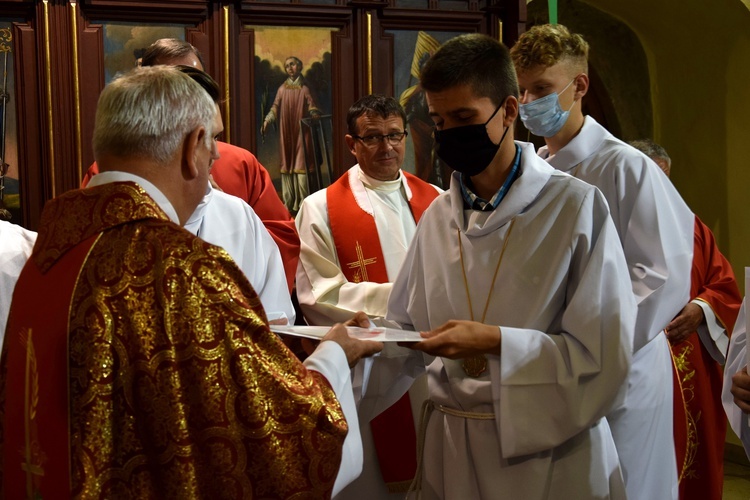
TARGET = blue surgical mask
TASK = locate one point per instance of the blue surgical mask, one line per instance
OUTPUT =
(544, 117)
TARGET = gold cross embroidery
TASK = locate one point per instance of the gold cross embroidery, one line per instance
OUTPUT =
(362, 264)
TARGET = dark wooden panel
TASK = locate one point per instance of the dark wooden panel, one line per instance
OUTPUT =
(58, 75)
(173, 11)
(91, 78)
(30, 127)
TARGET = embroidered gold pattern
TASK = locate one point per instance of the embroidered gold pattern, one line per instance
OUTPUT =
(361, 263)
(686, 374)
(177, 387)
(34, 457)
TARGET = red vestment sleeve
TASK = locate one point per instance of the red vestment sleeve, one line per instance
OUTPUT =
(718, 287)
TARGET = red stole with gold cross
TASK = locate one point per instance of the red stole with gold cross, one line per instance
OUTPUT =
(353, 225)
(355, 235)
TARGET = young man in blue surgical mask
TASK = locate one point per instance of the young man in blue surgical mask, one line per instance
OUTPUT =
(518, 283)
(655, 228)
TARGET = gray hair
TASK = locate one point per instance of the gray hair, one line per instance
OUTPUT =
(148, 112)
(652, 150)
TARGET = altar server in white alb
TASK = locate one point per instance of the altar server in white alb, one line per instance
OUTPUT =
(227, 221)
(354, 236)
(655, 227)
(16, 244)
(735, 395)
(518, 283)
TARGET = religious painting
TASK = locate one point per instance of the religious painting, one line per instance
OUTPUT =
(293, 96)
(412, 49)
(125, 43)
(10, 198)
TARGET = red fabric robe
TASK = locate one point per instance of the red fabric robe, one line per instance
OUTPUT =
(700, 424)
(138, 364)
(239, 173)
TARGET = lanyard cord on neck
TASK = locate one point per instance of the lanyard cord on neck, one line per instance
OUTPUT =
(494, 277)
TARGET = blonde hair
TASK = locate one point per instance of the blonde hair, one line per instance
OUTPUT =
(549, 44)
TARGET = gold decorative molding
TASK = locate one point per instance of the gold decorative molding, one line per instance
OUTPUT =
(5, 38)
(500, 31)
(48, 96)
(227, 107)
(76, 90)
(369, 53)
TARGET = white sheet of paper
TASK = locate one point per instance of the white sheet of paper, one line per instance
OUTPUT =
(380, 334)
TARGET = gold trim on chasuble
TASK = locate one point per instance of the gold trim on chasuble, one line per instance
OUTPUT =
(685, 375)
(177, 385)
(33, 456)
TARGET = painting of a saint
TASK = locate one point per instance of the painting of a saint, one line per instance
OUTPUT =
(293, 74)
(292, 103)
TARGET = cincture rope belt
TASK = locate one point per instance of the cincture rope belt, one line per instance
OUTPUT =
(427, 408)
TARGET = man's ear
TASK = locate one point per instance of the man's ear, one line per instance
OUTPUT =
(511, 110)
(190, 148)
(582, 86)
(350, 143)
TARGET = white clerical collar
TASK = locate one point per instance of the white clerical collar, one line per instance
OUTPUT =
(379, 185)
(154, 192)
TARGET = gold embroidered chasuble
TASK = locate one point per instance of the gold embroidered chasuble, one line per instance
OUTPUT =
(175, 386)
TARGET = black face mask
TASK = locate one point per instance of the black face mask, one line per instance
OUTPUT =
(468, 149)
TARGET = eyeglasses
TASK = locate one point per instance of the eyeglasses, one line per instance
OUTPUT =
(393, 139)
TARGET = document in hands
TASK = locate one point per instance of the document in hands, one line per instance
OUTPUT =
(377, 333)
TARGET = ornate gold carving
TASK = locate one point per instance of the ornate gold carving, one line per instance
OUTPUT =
(76, 90)
(5, 40)
(369, 53)
(227, 108)
(48, 98)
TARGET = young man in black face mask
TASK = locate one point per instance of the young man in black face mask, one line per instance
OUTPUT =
(518, 282)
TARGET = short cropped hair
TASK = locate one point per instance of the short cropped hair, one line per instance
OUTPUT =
(477, 60)
(548, 44)
(204, 80)
(373, 105)
(148, 112)
(652, 150)
(168, 49)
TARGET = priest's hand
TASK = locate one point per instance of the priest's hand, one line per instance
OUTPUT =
(741, 390)
(685, 323)
(460, 339)
(354, 349)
